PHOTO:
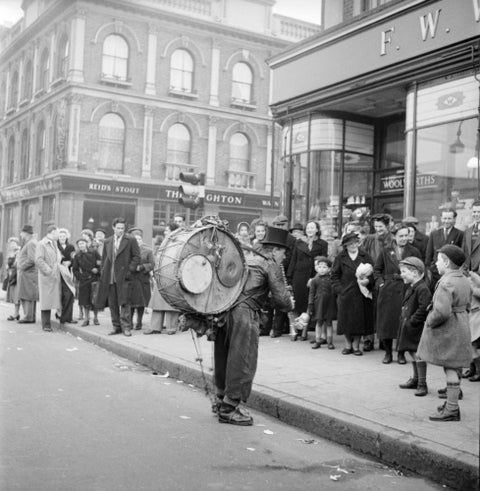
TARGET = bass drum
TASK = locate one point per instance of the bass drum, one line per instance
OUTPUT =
(200, 270)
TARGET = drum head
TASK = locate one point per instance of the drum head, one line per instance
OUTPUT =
(195, 273)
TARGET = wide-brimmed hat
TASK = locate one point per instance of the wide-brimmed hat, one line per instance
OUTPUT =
(276, 237)
(414, 262)
(136, 231)
(410, 220)
(351, 237)
(280, 220)
(454, 253)
(28, 229)
(297, 226)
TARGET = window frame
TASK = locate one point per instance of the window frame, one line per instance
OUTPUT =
(116, 60)
(186, 74)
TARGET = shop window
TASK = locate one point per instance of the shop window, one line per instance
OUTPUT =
(24, 154)
(43, 72)
(239, 175)
(181, 71)
(62, 58)
(178, 149)
(27, 81)
(115, 58)
(111, 143)
(446, 172)
(163, 214)
(40, 149)
(29, 209)
(48, 210)
(242, 83)
(11, 227)
(14, 91)
(11, 160)
(102, 213)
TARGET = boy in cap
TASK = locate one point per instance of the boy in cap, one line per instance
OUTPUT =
(445, 339)
(416, 299)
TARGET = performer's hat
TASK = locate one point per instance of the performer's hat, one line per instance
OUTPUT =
(28, 229)
(276, 237)
(280, 220)
(297, 226)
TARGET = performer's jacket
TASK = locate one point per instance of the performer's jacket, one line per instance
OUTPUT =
(265, 280)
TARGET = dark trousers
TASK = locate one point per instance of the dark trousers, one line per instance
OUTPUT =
(235, 353)
(29, 309)
(280, 324)
(67, 303)
(140, 312)
(121, 314)
(46, 314)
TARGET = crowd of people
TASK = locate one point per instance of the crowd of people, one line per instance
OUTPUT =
(382, 282)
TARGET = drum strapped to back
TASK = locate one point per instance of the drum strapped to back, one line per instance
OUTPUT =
(200, 269)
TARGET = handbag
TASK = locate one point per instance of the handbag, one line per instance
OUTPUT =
(94, 292)
(5, 284)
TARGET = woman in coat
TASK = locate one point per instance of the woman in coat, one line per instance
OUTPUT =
(141, 287)
(13, 248)
(86, 268)
(302, 264)
(390, 290)
(163, 314)
(355, 310)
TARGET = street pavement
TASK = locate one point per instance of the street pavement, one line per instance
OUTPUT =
(352, 400)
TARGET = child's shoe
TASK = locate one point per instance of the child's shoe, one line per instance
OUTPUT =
(316, 345)
(444, 414)
(411, 383)
(422, 390)
(331, 346)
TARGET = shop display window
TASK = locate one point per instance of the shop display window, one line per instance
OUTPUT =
(446, 171)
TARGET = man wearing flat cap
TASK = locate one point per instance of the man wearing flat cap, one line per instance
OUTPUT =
(236, 343)
(27, 276)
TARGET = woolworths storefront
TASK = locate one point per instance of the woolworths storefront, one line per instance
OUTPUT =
(381, 115)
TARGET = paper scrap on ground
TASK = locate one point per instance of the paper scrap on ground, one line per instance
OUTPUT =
(185, 417)
(268, 432)
(72, 349)
(335, 477)
(251, 449)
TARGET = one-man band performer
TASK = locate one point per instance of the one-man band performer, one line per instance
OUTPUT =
(236, 342)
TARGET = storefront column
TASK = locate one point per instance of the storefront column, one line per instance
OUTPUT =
(151, 62)
(144, 219)
(77, 43)
(268, 166)
(74, 131)
(212, 150)
(410, 153)
(34, 70)
(147, 142)
(215, 71)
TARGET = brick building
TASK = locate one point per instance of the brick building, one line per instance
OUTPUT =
(103, 104)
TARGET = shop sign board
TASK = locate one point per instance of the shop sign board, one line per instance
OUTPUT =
(395, 183)
(118, 189)
(385, 41)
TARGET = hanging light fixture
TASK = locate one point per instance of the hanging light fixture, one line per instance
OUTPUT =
(458, 146)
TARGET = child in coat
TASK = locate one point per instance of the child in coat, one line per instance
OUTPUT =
(445, 339)
(416, 299)
(321, 303)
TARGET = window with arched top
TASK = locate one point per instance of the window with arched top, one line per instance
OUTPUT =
(27, 81)
(62, 57)
(178, 145)
(43, 75)
(24, 154)
(239, 175)
(242, 83)
(14, 90)
(111, 143)
(115, 57)
(181, 71)
(10, 160)
(40, 144)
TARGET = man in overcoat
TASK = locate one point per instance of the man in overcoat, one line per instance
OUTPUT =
(471, 240)
(446, 234)
(27, 275)
(121, 256)
(47, 259)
